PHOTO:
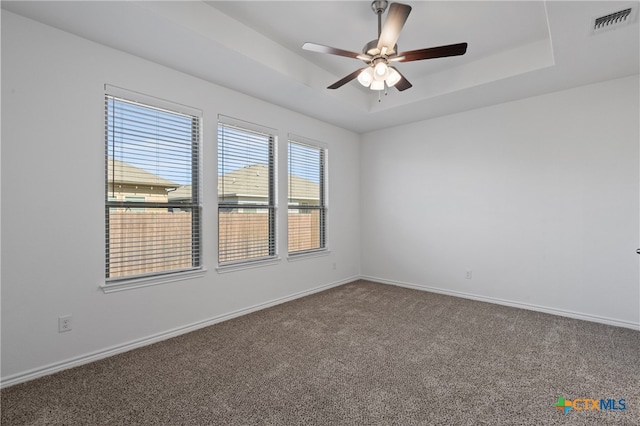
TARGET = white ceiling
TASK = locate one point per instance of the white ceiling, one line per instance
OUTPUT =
(516, 49)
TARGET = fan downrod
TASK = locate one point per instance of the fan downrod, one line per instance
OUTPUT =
(378, 7)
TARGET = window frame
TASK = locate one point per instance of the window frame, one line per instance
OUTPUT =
(272, 202)
(136, 280)
(323, 207)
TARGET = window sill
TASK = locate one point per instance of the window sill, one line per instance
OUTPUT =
(307, 255)
(247, 265)
(149, 281)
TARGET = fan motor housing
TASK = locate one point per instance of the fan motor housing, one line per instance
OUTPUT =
(371, 49)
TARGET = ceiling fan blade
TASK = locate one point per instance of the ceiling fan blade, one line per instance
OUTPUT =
(403, 83)
(313, 47)
(434, 52)
(397, 16)
(346, 79)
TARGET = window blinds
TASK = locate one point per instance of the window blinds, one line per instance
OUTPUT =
(246, 193)
(152, 190)
(306, 206)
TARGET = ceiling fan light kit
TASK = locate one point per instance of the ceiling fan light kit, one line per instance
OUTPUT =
(377, 54)
(375, 77)
(377, 85)
(393, 77)
(366, 77)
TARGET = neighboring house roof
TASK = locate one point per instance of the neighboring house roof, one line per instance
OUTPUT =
(182, 193)
(247, 182)
(252, 181)
(125, 173)
(302, 189)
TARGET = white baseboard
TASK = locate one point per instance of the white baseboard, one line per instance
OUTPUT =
(114, 350)
(530, 307)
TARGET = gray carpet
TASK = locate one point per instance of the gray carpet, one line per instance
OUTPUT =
(358, 354)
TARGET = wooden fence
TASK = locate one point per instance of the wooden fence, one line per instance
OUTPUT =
(141, 242)
(304, 231)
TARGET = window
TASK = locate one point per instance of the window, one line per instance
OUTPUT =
(307, 206)
(136, 199)
(152, 184)
(246, 192)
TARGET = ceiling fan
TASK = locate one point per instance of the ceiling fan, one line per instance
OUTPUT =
(379, 54)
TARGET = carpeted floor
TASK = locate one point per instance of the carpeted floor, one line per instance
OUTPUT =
(358, 354)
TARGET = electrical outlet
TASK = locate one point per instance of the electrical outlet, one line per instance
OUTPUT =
(468, 275)
(64, 323)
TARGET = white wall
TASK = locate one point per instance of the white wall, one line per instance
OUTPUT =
(538, 198)
(53, 243)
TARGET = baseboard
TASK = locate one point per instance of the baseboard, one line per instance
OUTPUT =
(530, 307)
(114, 350)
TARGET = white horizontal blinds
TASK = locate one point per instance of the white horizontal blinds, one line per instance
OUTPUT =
(152, 194)
(306, 207)
(246, 193)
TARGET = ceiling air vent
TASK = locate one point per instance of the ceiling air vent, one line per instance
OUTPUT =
(613, 20)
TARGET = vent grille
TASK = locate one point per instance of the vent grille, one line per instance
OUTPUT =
(613, 20)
